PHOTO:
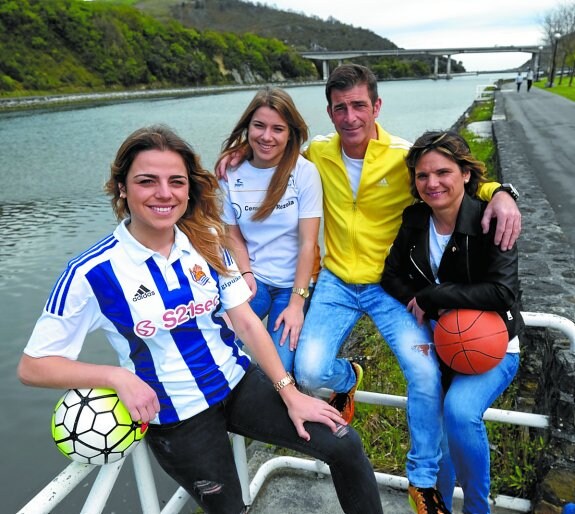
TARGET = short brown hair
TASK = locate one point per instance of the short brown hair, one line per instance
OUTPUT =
(347, 76)
(454, 147)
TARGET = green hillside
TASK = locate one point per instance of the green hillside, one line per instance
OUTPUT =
(70, 45)
(299, 31)
(63, 46)
(295, 29)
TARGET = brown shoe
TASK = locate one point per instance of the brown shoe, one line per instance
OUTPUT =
(344, 402)
(426, 500)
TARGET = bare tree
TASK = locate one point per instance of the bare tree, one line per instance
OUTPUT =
(561, 20)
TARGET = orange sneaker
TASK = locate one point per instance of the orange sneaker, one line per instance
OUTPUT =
(344, 402)
(426, 500)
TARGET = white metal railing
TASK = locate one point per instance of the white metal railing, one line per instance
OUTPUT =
(545, 320)
(47, 499)
(484, 92)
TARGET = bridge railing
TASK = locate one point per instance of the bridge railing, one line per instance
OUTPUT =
(57, 490)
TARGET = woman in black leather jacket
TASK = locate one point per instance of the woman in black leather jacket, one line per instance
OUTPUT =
(441, 260)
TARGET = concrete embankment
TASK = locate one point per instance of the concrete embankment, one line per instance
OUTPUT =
(73, 100)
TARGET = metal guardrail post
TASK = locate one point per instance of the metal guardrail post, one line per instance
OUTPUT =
(102, 487)
(241, 459)
(482, 92)
(62, 485)
(546, 320)
(393, 481)
(145, 479)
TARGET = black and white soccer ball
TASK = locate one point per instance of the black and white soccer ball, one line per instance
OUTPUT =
(93, 426)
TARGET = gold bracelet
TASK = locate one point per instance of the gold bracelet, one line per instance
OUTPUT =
(285, 381)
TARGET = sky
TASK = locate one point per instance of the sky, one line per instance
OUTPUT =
(415, 24)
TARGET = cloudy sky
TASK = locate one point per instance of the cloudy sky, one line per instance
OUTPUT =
(441, 23)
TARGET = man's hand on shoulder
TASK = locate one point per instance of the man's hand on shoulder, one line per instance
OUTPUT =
(228, 161)
(503, 207)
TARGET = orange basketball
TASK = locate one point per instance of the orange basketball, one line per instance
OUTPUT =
(471, 341)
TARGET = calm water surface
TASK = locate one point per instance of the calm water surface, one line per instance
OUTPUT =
(53, 166)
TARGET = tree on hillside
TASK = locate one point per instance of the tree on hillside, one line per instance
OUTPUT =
(561, 20)
(65, 46)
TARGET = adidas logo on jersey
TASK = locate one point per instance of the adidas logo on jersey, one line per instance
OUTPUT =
(142, 292)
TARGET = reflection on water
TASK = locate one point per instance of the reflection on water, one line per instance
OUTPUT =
(39, 237)
(37, 241)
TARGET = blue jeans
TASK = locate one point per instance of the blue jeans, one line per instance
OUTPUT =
(334, 310)
(197, 453)
(465, 447)
(270, 301)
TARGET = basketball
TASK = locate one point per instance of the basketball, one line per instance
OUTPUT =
(470, 341)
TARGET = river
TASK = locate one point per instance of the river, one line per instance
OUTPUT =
(53, 165)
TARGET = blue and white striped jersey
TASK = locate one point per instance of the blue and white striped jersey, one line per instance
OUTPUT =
(162, 316)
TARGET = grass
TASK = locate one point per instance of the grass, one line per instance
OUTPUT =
(563, 90)
(482, 148)
(481, 111)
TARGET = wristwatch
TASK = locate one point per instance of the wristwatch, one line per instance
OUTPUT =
(508, 188)
(304, 293)
(285, 381)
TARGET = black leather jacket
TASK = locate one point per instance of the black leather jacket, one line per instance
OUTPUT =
(474, 273)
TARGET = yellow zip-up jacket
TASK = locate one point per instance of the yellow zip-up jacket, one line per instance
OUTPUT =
(358, 232)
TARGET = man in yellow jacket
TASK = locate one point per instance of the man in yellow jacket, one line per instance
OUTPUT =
(366, 187)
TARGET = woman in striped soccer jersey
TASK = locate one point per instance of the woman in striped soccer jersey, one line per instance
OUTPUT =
(157, 287)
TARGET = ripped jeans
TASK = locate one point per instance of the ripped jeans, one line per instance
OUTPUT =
(335, 308)
(197, 453)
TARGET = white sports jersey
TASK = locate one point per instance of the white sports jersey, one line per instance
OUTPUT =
(273, 243)
(162, 316)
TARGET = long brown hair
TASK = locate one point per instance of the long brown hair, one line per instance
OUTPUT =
(281, 102)
(201, 221)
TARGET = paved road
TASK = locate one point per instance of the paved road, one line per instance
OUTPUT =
(545, 123)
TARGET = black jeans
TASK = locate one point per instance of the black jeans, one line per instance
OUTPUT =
(197, 453)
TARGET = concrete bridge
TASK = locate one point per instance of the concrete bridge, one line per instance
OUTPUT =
(326, 56)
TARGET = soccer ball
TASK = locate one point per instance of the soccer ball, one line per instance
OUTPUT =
(93, 426)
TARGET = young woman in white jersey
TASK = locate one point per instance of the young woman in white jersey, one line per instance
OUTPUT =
(157, 287)
(272, 209)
